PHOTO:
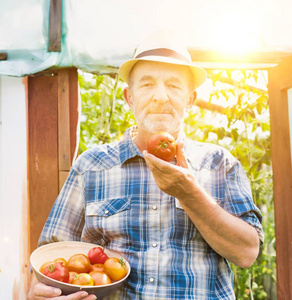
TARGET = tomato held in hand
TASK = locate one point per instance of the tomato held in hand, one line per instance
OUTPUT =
(83, 279)
(57, 271)
(96, 255)
(100, 278)
(162, 145)
(115, 268)
(79, 263)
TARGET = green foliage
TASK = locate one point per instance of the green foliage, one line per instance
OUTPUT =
(243, 128)
(104, 113)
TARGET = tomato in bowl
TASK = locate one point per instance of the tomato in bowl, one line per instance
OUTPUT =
(49, 252)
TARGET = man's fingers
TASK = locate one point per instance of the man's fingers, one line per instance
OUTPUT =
(180, 156)
(155, 163)
(43, 290)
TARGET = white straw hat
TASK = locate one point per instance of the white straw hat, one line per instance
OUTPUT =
(163, 47)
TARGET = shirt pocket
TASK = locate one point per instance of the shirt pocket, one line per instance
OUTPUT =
(108, 207)
(107, 220)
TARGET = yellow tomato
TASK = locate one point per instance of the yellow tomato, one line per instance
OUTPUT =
(82, 279)
(115, 268)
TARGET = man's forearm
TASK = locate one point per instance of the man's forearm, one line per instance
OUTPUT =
(231, 237)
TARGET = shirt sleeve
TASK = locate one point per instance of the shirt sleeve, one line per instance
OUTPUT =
(66, 219)
(238, 199)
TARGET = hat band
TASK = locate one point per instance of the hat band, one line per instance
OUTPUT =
(163, 52)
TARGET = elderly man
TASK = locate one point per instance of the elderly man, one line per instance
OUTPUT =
(178, 223)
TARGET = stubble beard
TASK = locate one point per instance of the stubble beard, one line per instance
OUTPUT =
(153, 126)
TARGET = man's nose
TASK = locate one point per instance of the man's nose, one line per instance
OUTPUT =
(160, 94)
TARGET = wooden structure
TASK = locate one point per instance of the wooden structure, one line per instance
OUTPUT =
(280, 81)
(52, 114)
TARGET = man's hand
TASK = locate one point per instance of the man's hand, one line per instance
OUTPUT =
(174, 180)
(40, 291)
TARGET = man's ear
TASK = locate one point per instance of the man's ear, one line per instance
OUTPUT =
(192, 98)
(128, 96)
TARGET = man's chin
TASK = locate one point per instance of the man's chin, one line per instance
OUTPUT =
(155, 128)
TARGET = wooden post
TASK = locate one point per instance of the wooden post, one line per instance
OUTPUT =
(280, 80)
(3, 56)
(67, 110)
(42, 118)
(52, 114)
(55, 26)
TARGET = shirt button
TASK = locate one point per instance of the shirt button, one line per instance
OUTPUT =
(106, 212)
(154, 207)
(151, 279)
(154, 245)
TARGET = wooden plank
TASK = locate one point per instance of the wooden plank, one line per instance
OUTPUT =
(45, 97)
(64, 121)
(3, 55)
(55, 26)
(62, 178)
(67, 120)
(253, 57)
(42, 128)
(279, 77)
(74, 114)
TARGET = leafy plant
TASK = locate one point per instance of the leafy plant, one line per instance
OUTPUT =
(244, 129)
(104, 113)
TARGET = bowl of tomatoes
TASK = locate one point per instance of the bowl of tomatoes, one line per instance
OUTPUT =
(73, 266)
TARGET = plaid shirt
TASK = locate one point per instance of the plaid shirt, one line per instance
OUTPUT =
(111, 195)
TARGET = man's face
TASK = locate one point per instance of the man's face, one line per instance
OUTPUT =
(159, 95)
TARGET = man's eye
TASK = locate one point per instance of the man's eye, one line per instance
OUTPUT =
(147, 84)
(173, 86)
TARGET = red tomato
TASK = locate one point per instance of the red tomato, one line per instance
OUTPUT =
(115, 268)
(97, 267)
(79, 263)
(57, 271)
(100, 278)
(96, 255)
(82, 279)
(71, 276)
(162, 145)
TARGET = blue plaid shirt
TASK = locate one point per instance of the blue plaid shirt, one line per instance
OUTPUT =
(111, 195)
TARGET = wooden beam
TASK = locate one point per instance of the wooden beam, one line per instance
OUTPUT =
(254, 60)
(67, 120)
(63, 121)
(280, 79)
(42, 127)
(3, 56)
(52, 106)
(252, 57)
(55, 26)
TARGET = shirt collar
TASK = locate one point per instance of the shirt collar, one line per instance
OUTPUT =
(128, 149)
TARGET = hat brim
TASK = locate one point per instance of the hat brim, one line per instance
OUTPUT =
(199, 74)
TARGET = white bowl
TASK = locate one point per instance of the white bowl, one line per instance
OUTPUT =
(55, 250)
